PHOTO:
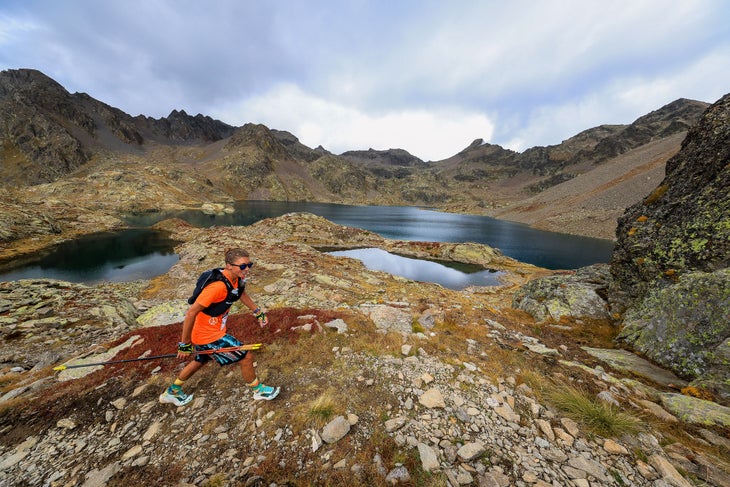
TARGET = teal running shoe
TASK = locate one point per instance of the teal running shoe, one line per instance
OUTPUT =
(175, 395)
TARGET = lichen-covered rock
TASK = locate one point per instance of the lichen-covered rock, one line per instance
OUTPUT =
(669, 268)
(576, 295)
(696, 411)
(685, 327)
(164, 313)
(684, 224)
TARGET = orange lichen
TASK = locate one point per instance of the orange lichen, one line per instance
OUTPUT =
(698, 393)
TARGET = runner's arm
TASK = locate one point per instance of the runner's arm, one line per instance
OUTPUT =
(246, 299)
(187, 328)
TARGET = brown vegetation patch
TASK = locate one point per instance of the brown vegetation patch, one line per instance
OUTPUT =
(119, 380)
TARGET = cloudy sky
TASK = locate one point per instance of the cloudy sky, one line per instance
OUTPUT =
(428, 76)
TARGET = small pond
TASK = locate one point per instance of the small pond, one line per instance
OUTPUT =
(447, 274)
(122, 256)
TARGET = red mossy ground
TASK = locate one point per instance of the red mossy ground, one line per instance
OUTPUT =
(117, 380)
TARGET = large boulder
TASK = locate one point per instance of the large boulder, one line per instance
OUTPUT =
(685, 327)
(577, 295)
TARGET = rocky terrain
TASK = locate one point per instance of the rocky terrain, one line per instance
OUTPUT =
(384, 380)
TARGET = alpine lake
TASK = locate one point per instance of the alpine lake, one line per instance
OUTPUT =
(142, 253)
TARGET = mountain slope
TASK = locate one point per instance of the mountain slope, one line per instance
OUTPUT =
(590, 203)
(83, 153)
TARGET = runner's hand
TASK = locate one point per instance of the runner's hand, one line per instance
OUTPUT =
(261, 316)
(184, 349)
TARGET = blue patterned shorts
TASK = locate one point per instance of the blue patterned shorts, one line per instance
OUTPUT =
(224, 358)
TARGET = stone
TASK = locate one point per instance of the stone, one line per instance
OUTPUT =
(570, 426)
(575, 295)
(99, 477)
(657, 411)
(630, 362)
(667, 472)
(395, 424)
(429, 457)
(432, 398)
(614, 448)
(696, 411)
(546, 429)
(119, 403)
(335, 430)
(470, 451)
(316, 441)
(398, 475)
(589, 466)
(66, 423)
(132, 452)
(338, 324)
(389, 318)
(607, 397)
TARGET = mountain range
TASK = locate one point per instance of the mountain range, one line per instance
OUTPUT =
(72, 147)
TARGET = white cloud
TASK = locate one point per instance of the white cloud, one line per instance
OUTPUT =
(428, 77)
(429, 134)
(621, 100)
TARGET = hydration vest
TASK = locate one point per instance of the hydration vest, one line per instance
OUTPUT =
(219, 308)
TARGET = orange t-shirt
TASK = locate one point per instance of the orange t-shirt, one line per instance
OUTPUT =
(206, 328)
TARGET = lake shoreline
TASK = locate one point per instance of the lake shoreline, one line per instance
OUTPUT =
(80, 227)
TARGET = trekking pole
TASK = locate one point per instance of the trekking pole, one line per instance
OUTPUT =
(253, 346)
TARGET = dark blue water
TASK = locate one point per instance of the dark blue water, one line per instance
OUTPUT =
(121, 256)
(545, 249)
(422, 270)
(141, 253)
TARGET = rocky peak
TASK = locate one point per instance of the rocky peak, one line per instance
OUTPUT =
(178, 127)
(38, 118)
(296, 148)
(674, 117)
(389, 157)
(258, 137)
(29, 84)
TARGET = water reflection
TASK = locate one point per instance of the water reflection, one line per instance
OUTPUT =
(421, 270)
(142, 253)
(109, 256)
(545, 249)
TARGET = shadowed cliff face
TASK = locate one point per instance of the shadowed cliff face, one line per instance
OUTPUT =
(670, 266)
(684, 224)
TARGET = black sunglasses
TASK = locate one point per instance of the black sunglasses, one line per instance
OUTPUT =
(243, 266)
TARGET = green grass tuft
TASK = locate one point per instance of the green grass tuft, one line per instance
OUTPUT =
(323, 408)
(595, 415)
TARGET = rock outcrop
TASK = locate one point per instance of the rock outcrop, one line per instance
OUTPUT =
(685, 327)
(669, 268)
(579, 295)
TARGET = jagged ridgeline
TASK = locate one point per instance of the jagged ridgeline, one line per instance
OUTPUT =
(52, 136)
